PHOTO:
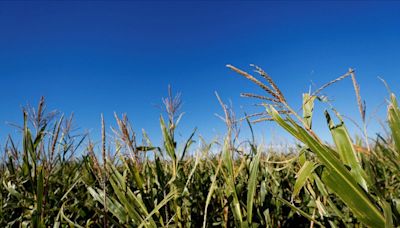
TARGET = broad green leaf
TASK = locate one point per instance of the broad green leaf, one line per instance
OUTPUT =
(39, 194)
(339, 179)
(211, 190)
(394, 121)
(388, 214)
(346, 150)
(168, 141)
(302, 175)
(112, 205)
(308, 108)
(355, 200)
(229, 176)
(252, 184)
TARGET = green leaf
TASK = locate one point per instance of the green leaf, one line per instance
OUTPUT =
(211, 190)
(39, 194)
(394, 121)
(69, 221)
(308, 108)
(346, 150)
(252, 184)
(113, 206)
(388, 214)
(157, 208)
(355, 199)
(302, 175)
(229, 177)
(338, 178)
(168, 140)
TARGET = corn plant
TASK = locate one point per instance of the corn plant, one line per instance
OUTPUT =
(342, 172)
(60, 178)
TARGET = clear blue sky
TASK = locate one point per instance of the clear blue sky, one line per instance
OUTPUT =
(100, 57)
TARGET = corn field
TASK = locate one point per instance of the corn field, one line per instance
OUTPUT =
(58, 178)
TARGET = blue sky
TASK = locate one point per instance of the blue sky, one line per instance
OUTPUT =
(105, 57)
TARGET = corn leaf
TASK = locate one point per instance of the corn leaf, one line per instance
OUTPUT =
(252, 184)
(302, 175)
(345, 148)
(337, 177)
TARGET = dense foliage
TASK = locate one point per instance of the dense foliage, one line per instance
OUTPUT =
(57, 178)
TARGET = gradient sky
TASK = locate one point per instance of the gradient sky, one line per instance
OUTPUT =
(105, 57)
